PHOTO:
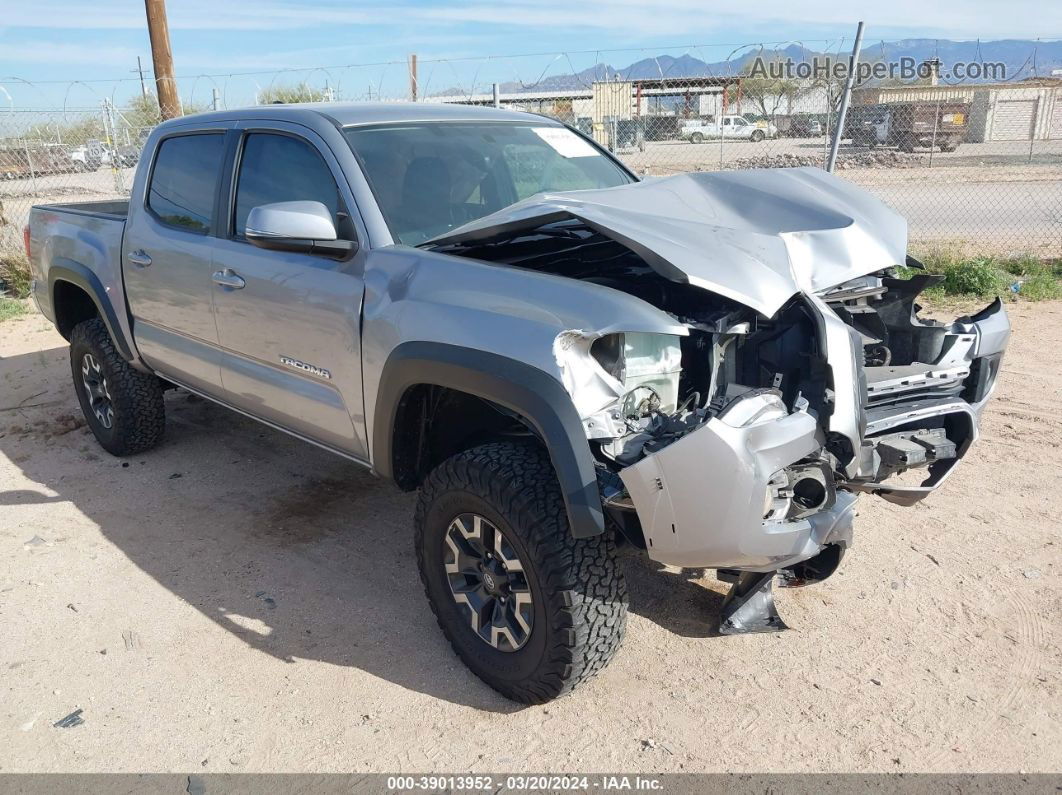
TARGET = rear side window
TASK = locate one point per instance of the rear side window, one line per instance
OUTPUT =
(184, 179)
(279, 168)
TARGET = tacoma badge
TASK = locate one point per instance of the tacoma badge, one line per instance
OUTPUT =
(320, 372)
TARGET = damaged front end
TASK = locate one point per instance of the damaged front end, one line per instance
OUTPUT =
(779, 424)
(804, 377)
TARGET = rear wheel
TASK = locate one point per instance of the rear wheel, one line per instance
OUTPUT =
(697, 138)
(530, 609)
(757, 136)
(123, 406)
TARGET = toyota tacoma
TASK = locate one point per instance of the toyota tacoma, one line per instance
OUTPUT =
(487, 307)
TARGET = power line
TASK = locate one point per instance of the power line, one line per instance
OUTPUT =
(440, 60)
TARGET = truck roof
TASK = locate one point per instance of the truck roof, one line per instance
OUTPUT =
(353, 113)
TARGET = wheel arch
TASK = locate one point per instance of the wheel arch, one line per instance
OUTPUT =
(527, 393)
(74, 291)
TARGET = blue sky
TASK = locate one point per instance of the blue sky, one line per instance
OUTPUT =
(99, 40)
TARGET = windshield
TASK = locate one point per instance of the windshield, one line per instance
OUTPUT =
(431, 177)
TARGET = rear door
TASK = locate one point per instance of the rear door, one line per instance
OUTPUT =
(167, 259)
(290, 332)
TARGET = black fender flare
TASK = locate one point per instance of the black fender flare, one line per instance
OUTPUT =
(67, 270)
(533, 394)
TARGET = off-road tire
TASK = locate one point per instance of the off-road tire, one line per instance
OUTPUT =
(139, 415)
(580, 597)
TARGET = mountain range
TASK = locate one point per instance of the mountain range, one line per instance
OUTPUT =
(1022, 58)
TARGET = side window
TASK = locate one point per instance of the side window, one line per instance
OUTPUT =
(279, 168)
(184, 179)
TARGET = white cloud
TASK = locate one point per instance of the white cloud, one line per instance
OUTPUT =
(188, 15)
(955, 18)
(684, 17)
(51, 52)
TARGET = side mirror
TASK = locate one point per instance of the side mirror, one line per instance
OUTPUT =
(302, 226)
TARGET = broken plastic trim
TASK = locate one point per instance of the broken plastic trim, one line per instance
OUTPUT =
(605, 400)
(749, 606)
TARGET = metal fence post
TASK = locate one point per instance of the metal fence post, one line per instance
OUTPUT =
(215, 100)
(29, 164)
(1035, 125)
(496, 90)
(111, 134)
(846, 97)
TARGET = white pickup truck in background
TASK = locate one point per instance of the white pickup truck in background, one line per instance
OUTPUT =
(698, 130)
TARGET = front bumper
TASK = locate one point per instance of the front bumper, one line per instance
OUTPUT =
(701, 500)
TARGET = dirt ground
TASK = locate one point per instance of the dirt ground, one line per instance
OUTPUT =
(239, 601)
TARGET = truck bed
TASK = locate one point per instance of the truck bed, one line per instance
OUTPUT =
(110, 208)
(84, 240)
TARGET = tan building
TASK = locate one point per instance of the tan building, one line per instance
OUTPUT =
(1021, 111)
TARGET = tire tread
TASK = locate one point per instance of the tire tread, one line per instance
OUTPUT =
(140, 413)
(586, 590)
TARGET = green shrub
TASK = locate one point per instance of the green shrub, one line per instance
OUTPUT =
(1038, 279)
(10, 308)
(1041, 287)
(981, 277)
(15, 275)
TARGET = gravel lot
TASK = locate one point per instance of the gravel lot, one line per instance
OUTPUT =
(239, 601)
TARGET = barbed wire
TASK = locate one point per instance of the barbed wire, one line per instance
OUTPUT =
(92, 120)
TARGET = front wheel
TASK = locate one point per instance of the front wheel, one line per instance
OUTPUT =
(123, 406)
(530, 609)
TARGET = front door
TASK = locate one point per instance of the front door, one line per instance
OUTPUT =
(167, 260)
(288, 322)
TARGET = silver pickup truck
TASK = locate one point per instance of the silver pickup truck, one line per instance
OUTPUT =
(486, 306)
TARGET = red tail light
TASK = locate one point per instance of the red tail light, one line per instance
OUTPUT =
(26, 240)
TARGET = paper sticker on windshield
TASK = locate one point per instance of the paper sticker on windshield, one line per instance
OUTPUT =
(565, 142)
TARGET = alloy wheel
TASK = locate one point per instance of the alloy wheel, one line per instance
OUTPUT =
(97, 391)
(488, 582)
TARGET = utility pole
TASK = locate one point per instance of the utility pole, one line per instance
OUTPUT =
(162, 58)
(413, 77)
(846, 98)
(140, 71)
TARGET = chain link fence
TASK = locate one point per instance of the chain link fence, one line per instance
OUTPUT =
(973, 165)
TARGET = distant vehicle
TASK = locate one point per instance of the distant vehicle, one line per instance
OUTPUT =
(22, 161)
(85, 159)
(907, 125)
(805, 127)
(128, 156)
(737, 127)
(764, 124)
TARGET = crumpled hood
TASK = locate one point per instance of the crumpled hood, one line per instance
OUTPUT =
(757, 237)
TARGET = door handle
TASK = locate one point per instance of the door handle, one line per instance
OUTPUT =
(229, 278)
(139, 258)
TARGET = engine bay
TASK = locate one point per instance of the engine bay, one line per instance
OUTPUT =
(639, 393)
